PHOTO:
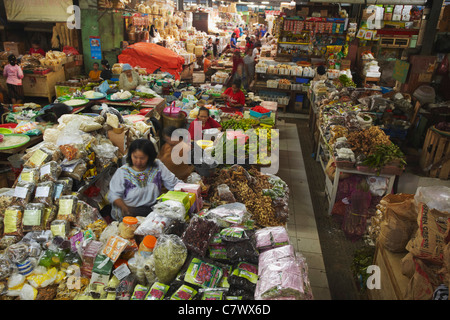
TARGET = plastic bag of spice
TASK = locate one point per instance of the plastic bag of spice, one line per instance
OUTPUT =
(23, 193)
(50, 171)
(63, 186)
(170, 254)
(44, 193)
(33, 217)
(13, 221)
(243, 249)
(74, 169)
(30, 175)
(198, 235)
(243, 280)
(67, 206)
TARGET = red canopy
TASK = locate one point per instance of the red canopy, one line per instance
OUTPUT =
(151, 57)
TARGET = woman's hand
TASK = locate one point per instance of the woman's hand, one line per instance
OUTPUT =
(123, 207)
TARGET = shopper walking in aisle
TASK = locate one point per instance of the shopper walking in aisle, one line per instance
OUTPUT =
(262, 31)
(249, 44)
(14, 75)
(136, 186)
(256, 51)
(237, 72)
(182, 170)
(233, 42)
(237, 32)
(216, 49)
(241, 30)
(208, 47)
(249, 69)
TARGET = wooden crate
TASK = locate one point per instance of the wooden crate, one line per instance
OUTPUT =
(393, 283)
(435, 157)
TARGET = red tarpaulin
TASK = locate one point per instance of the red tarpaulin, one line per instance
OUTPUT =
(151, 56)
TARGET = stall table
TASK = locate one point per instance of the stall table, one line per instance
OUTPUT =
(42, 85)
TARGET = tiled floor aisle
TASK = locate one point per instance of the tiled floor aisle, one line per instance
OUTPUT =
(302, 226)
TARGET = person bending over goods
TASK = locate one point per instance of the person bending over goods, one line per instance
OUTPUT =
(135, 186)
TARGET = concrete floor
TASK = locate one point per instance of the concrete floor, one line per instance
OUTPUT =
(313, 232)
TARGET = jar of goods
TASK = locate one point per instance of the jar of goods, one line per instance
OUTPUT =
(127, 227)
(147, 244)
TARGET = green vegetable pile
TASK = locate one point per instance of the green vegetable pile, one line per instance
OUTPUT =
(243, 124)
(362, 259)
(142, 94)
(383, 155)
(346, 81)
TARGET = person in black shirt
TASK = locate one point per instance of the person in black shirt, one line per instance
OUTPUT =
(106, 72)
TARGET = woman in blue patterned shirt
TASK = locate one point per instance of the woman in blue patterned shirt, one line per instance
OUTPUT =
(135, 186)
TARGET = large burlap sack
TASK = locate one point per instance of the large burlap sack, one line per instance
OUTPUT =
(424, 281)
(428, 241)
(408, 265)
(399, 223)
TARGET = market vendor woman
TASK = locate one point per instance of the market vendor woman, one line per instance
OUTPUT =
(129, 79)
(135, 186)
(206, 121)
(234, 96)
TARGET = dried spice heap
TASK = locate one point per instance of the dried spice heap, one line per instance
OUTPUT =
(247, 188)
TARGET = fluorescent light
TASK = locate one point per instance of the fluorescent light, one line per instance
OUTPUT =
(265, 2)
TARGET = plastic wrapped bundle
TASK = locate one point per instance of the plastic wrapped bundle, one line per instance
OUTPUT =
(170, 254)
(283, 279)
(271, 237)
(198, 235)
(154, 224)
(276, 254)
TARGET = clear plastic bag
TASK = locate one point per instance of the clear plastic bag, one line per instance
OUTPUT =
(33, 217)
(171, 209)
(50, 172)
(23, 193)
(435, 197)
(170, 254)
(154, 224)
(38, 158)
(228, 214)
(225, 193)
(6, 267)
(85, 215)
(67, 207)
(74, 169)
(13, 221)
(271, 237)
(198, 235)
(63, 186)
(30, 175)
(44, 193)
(105, 154)
(282, 279)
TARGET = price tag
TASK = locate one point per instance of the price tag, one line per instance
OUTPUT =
(38, 158)
(42, 192)
(32, 217)
(20, 192)
(121, 271)
(65, 206)
(45, 169)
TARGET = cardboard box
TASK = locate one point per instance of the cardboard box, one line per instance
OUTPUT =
(16, 48)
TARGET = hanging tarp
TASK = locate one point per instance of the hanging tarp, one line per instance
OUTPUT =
(151, 56)
(38, 10)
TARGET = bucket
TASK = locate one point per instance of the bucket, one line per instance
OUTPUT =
(177, 122)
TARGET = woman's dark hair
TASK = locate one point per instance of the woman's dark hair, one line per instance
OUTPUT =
(208, 54)
(321, 70)
(144, 145)
(95, 63)
(12, 59)
(203, 109)
(237, 83)
(35, 42)
(152, 31)
(168, 131)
